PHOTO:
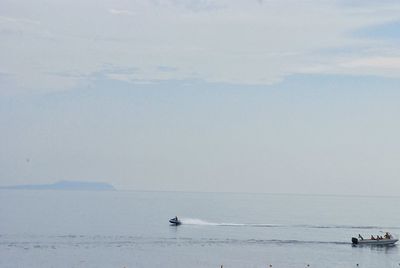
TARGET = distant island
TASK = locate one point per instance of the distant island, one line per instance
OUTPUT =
(65, 185)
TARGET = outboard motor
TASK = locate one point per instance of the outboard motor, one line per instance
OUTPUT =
(354, 240)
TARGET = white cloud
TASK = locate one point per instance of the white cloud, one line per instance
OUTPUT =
(18, 20)
(121, 12)
(374, 62)
(375, 65)
(243, 42)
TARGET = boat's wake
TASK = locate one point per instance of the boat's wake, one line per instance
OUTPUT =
(192, 221)
(189, 221)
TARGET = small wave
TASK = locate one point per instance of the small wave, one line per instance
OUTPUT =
(163, 241)
(68, 236)
(190, 221)
(279, 241)
(367, 227)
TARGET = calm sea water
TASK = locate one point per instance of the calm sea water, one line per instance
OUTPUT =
(130, 229)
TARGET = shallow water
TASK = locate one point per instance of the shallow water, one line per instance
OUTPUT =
(130, 229)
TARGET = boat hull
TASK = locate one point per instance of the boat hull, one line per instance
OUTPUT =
(378, 242)
(175, 222)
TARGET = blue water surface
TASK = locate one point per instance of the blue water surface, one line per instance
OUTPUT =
(130, 229)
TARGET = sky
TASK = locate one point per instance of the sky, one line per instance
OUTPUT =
(217, 96)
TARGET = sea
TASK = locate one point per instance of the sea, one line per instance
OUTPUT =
(130, 229)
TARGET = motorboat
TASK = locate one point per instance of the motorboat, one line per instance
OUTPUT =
(388, 239)
(175, 221)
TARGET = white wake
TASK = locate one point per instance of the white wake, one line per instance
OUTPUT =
(191, 221)
(194, 221)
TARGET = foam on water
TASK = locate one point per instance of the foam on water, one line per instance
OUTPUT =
(194, 221)
(190, 221)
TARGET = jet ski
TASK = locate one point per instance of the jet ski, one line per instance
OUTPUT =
(175, 221)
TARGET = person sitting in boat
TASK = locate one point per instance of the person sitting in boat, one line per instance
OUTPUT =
(387, 235)
(359, 236)
(372, 237)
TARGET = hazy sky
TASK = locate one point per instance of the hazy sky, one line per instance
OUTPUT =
(255, 96)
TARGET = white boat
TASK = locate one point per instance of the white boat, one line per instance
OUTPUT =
(387, 240)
